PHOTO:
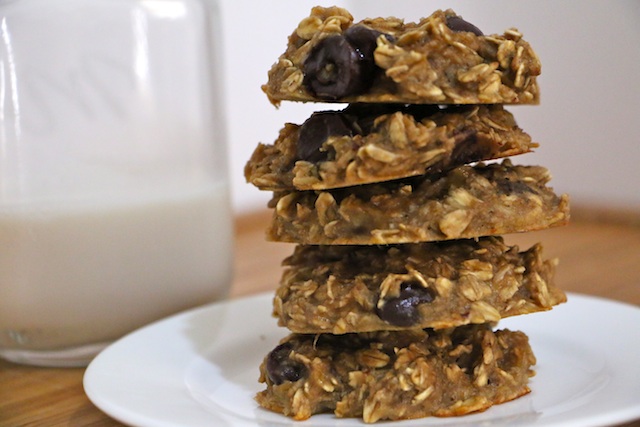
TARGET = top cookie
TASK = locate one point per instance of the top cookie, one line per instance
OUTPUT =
(441, 59)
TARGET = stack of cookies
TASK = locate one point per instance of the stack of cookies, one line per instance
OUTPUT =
(400, 273)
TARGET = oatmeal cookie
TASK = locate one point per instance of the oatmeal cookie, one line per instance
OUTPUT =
(442, 59)
(396, 375)
(367, 143)
(465, 202)
(345, 289)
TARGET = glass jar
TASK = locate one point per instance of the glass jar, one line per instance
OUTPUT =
(114, 194)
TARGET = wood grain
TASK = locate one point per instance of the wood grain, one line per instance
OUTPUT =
(597, 257)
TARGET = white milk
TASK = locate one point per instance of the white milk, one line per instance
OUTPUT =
(112, 145)
(72, 275)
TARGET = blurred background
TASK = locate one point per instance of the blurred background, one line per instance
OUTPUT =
(587, 124)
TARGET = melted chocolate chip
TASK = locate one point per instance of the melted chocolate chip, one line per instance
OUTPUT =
(342, 65)
(467, 149)
(466, 137)
(334, 69)
(364, 39)
(403, 309)
(280, 368)
(507, 186)
(457, 24)
(315, 131)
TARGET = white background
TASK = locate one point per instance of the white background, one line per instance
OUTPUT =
(588, 122)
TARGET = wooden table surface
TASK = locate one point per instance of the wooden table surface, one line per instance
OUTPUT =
(597, 257)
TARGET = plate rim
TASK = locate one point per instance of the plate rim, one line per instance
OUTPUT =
(96, 369)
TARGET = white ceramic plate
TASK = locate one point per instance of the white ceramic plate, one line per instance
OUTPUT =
(200, 368)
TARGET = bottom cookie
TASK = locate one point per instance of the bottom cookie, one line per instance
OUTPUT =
(394, 375)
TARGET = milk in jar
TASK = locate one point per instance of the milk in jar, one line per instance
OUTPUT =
(114, 201)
